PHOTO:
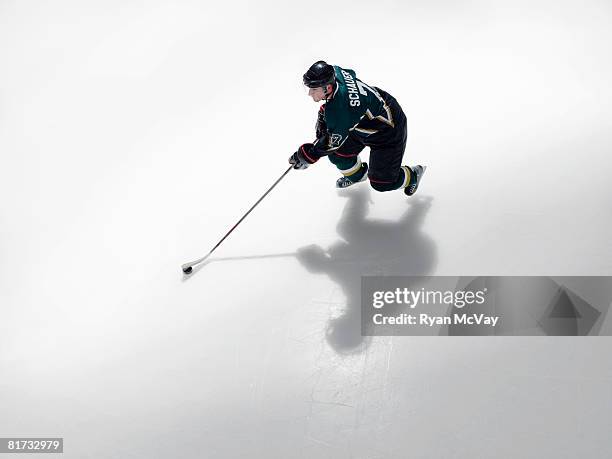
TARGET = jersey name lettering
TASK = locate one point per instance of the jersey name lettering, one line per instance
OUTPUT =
(353, 92)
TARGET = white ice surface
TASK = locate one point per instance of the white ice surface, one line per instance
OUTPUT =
(134, 134)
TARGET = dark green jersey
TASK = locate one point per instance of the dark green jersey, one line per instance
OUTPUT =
(355, 111)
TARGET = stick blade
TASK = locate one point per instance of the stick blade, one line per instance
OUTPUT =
(188, 267)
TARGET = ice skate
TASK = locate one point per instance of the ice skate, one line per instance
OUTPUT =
(345, 182)
(416, 174)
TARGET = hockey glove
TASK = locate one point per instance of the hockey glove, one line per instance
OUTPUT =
(301, 159)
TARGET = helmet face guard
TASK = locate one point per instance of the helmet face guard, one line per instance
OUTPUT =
(319, 75)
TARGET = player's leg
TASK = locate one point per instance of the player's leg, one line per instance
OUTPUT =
(386, 172)
(386, 154)
(351, 167)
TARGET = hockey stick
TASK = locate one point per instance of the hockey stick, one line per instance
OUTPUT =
(188, 267)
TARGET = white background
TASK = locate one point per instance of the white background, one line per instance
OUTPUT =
(134, 134)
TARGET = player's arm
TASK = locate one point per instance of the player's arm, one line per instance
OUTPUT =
(310, 153)
(321, 126)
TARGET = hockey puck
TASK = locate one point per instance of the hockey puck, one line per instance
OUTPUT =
(187, 270)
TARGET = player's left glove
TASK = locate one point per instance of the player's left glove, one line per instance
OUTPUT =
(302, 158)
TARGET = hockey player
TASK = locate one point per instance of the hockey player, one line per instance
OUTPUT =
(354, 116)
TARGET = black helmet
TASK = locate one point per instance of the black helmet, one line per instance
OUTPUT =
(319, 74)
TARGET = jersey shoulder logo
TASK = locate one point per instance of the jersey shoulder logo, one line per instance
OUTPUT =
(335, 140)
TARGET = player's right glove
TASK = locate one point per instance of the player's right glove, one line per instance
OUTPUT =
(301, 159)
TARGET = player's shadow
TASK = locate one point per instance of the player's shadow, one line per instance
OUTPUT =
(369, 247)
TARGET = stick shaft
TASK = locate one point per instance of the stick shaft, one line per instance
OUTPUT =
(200, 260)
